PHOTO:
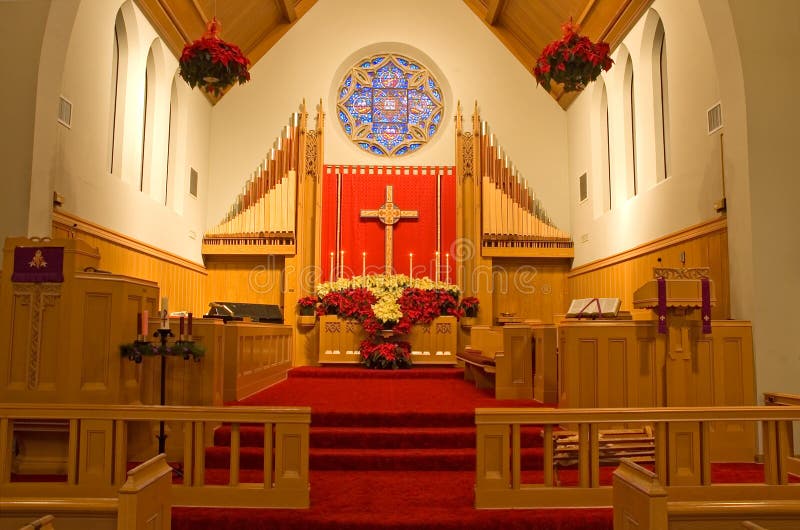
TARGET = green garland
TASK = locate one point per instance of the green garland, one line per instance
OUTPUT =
(138, 350)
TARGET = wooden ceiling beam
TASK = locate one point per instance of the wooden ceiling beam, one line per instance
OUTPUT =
(287, 9)
(494, 10)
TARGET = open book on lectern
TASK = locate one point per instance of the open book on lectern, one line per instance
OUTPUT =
(594, 308)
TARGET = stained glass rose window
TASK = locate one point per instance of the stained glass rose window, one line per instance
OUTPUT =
(389, 105)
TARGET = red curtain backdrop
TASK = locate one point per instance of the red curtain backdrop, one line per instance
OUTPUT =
(364, 187)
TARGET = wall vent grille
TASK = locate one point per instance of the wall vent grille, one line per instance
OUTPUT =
(715, 118)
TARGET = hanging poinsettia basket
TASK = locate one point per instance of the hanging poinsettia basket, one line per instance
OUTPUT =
(213, 64)
(572, 60)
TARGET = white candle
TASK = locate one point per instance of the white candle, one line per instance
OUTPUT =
(331, 274)
(363, 264)
(410, 264)
(437, 267)
(341, 265)
(447, 268)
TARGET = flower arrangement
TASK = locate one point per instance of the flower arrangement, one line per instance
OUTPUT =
(469, 306)
(213, 64)
(385, 354)
(572, 60)
(380, 302)
(307, 305)
(136, 351)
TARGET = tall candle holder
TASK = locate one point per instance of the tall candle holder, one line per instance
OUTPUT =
(141, 347)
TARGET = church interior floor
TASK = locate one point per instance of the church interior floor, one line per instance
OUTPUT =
(393, 449)
(389, 449)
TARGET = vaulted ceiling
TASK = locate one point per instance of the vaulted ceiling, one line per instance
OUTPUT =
(523, 26)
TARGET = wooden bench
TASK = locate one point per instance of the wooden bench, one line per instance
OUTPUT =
(500, 358)
(43, 523)
(143, 503)
(641, 501)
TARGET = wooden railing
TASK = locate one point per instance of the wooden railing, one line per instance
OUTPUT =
(640, 501)
(792, 460)
(681, 453)
(97, 453)
(143, 503)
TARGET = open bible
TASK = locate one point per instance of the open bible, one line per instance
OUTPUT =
(594, 308)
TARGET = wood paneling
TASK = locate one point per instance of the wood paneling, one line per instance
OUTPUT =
(704, 245)
(246, 279)
(530, 289)
(183, 281)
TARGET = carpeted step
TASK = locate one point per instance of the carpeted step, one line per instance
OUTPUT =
(390, 500)
(359, 372)
(378, 437)
(462, 459)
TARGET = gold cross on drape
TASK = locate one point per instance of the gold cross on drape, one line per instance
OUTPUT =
(389, 214)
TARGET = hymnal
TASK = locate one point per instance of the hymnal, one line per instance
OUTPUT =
(594, 308)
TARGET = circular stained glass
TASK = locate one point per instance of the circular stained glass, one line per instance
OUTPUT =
(389, 105)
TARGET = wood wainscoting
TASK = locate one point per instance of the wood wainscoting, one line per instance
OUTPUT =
(182, 280)
(618, 276)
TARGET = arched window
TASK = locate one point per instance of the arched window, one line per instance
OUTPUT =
(389, 104)
(148, 121)
(172, 147)
(629, 113)
(661, 103)
(119, 67)
(602, 183)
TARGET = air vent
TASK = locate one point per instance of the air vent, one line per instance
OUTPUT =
(583, 189)
(193, 182)
(715, 118)
(64, 112)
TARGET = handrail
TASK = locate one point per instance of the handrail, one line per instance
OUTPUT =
(779, 398)
(97, 452)
(681, 452)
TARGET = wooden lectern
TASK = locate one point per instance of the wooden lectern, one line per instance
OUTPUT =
(683, 301)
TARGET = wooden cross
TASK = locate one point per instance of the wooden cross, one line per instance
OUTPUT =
(389, 214)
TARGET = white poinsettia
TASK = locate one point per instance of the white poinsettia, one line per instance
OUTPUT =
(386, 288)
(387, 310)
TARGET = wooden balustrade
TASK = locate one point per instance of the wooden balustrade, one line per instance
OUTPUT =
(97, 450)
(682, 437)
(791, 461)
(641, 502)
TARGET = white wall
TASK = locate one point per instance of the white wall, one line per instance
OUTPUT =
(743, 54)
(687, 196)
(22, 26)
(767, 43)
(307, 64)
(75, 161)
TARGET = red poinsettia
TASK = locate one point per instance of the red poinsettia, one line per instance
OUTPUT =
(213, 64)
(572, 60)
(386, 354)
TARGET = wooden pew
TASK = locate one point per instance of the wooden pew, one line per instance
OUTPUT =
(143, 503)
(641, 502)
(43, 523)
(501, 357)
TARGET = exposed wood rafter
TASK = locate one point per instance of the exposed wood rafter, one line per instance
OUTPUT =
(493, 11)
(287, 8)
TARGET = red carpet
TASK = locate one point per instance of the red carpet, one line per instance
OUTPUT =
(389, 449)
(394, 450)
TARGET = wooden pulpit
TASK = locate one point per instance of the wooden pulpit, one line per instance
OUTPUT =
(682, 301)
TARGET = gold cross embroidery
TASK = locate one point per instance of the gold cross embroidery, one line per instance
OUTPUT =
(389, 214)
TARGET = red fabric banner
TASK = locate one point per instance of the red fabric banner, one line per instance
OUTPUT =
(364, 188)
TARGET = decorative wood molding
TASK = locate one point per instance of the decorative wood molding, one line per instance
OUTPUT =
(71, 222)
(687, 234)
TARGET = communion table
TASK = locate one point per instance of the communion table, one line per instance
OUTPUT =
(431, 344)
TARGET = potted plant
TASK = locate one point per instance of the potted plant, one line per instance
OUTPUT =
(213, 64)
(573, 60)
(307, 309)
